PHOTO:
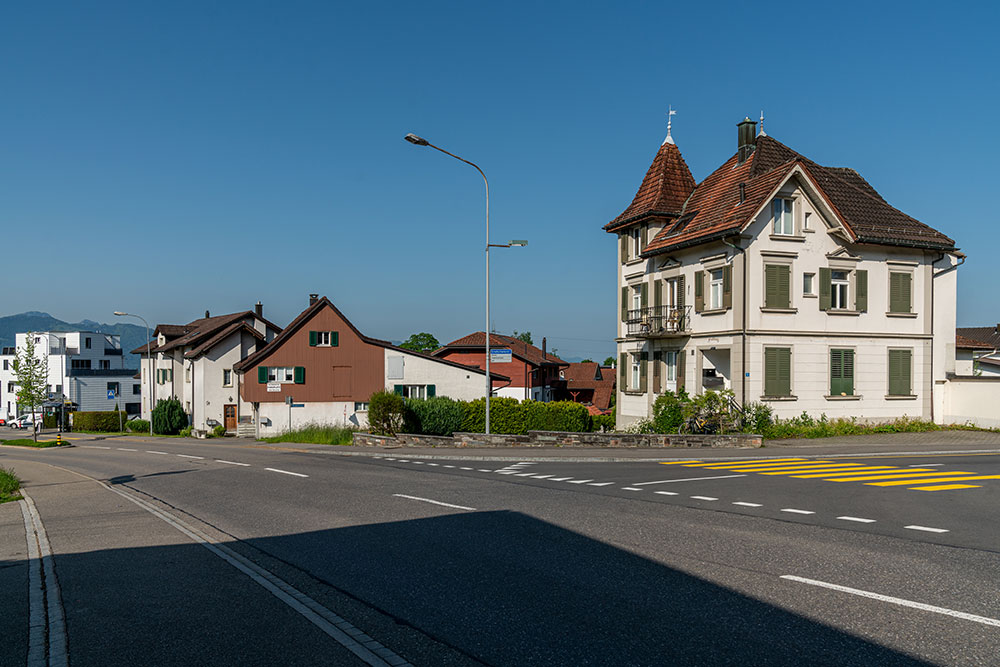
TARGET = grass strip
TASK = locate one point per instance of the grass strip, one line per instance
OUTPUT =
(316, 434)
(27, 442)
(10, 484)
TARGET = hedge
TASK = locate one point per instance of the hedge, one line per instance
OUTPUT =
(443, 416)
(137, 426)
(102, 422)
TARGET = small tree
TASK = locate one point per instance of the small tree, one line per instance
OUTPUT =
(169, 417)
(421, 342)
(610, 361)
(385, 413)
(525, 336)
(31, 373)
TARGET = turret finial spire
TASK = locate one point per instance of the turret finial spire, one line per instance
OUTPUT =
(670, 112)
(761, 132)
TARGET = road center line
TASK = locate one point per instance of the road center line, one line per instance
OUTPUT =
(484, 470)
(898, 601)
(665, 493)
(94, 447)
(600, 483)
(689, 479)
(856, 518)
(190, 456)
(579, 481)
(704, 498)
(151, 451)
(126, 449)
(926, 529)
(232, 463)
(542, 476)
(630, 488)
(285, 472)
(795, 511)
(435, 502)
(743, 504)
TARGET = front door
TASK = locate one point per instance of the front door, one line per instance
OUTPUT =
(229, 416)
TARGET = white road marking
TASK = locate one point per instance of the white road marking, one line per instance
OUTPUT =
(559, 479)
(448, 466)
(600, 484)
(665, 493)
(579, 481)
(126, 449)
(504, 472)
(285, 472)
(541, 476)
(926, 529)
(435, 502)
(794, 511)
(153, 451)
(94, 447)
(630, 488)
(689, 479)
(233, 463)
(743, 504)
(856, 518)
(704, 498)
(926, 465)
(463, 468)
(524, 474)
(389, 459)
(432, 464)
(484, 470)
(404, 460)
(419, 463)
(899, 601)
(190, 456)
(43, 575)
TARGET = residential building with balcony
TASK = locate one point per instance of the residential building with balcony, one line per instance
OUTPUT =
(785, 281)
(83, 367)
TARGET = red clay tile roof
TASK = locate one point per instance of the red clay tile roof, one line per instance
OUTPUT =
(988, 336)
(582, 376)
(477, 341)
(198, 332)
(667, 185)
(714, 209)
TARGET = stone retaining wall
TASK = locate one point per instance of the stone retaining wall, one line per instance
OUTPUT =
(560, 439)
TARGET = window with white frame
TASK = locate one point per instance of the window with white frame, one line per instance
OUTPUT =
(411, 390)
(360, 406)
(807, 221)
(636, 297)
(782, 215)
(187, 374)
(281, 374)
(809, 284)
(670, 293)
(227, 377)
(635, 371)
(840, 289)
(322, 337)
(715, 290)
(636, 244)
(671, 366)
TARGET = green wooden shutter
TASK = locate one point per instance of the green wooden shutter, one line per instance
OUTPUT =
(431, 391)
(680, 293)
(861, 291)
(622, 372)
(624, 304)
(643, 295)
(899, 372)
(334, 338)
(776, 286)
(680, 369)
(624, 243)
(825, 289)
(841, 372)
(313, 335)
(784, 286)
(658, 294)
(262, 374)
(777, 371)
(643, 363)
(900, 292)
(699, 291)
(300, 375)
(907, 293)
(727, 287)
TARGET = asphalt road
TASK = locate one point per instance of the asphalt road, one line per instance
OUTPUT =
(521, 562)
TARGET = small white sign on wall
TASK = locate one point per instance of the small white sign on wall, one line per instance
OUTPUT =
(274, 386)
(500, 355)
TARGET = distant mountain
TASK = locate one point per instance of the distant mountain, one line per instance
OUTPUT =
(132, 335)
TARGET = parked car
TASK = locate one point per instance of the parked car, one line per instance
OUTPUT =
(25, 421)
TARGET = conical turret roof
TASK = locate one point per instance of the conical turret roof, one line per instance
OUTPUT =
(667, 185)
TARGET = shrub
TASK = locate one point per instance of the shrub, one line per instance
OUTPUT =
(385, 413)
(219, 431)
(50, 421)
(506, 416)
(168, 417)
(438, 415)
(101, 422)
(137, 426)
(604, 423)
(758, 418)
(9, 485)
(556, 416)
(668, 411)
(185, 432)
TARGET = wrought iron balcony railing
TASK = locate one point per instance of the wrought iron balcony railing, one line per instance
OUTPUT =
(658, 321)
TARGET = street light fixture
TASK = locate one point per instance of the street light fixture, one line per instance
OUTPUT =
(420, 141)
(149, 358)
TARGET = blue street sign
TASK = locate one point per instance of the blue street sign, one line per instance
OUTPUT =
(111, 394)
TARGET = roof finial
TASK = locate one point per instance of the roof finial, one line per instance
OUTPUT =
(670, 112)
(761, 132)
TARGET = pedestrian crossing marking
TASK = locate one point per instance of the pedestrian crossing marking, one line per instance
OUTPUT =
(913, 475)
(867, 470)
(946, 487)
(676, 463)
(798, 471)
(791, 466)
(718, 464)
(944, 479)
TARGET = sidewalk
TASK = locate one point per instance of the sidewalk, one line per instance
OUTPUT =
(14, 584)
(887, 443)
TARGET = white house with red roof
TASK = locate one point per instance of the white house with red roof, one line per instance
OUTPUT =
(788, 282)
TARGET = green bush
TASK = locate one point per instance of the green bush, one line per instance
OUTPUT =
(438, 415)
(168, 417)
(668, 411)
(506, 416)
(185, 432)
(219, 431)
(758, 418)
(50, 421)
(386, 411)
(101, 422)
(556, 416)
(137, 426)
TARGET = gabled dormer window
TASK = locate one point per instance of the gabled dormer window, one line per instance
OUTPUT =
(782, 216)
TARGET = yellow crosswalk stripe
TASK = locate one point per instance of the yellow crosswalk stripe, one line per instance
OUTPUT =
(769, 466)
(946, 487)
(869, 470)
(717, 464)
(828, 468)
(944, 479)
(867, 478)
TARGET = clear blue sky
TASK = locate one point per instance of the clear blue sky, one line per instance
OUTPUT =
(168, 158)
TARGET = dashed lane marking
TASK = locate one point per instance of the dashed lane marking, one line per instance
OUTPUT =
(464, 468)
(435, 502)
(94, 447)
(689, 479)
(153, 451)
(857, 519)
(665, 493)
(541, 476)
(579, 481)
(126, 449)
(484, 470)
(600, 483)
(630, 488)
(232, 463)
(524, 474)
(448, 466)
(704, 498)
(286, 472)
(560, 479)
(190, 456)
(927, 529)
(433, 464)
(795, 511)
(897, 601)
(743, 504)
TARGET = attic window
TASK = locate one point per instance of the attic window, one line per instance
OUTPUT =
(679, 227)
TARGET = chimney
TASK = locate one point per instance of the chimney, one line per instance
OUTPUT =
(207, 315)
(544, 354)
(313, 298)
(258, 309)
(747, 139)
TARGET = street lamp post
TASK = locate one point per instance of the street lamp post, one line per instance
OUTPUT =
(420, 141)
(149, 359)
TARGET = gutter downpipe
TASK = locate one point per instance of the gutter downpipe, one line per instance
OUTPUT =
(743, 330)
(961, 261)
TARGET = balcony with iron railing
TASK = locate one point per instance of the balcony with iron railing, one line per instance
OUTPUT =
(657, 321)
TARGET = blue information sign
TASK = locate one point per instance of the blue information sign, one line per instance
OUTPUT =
(111, 394)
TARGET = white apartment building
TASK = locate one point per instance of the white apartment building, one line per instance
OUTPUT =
(785, 281)
(84, 367)
(194, 362)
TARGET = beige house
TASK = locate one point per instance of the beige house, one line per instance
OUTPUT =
(785, 281)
